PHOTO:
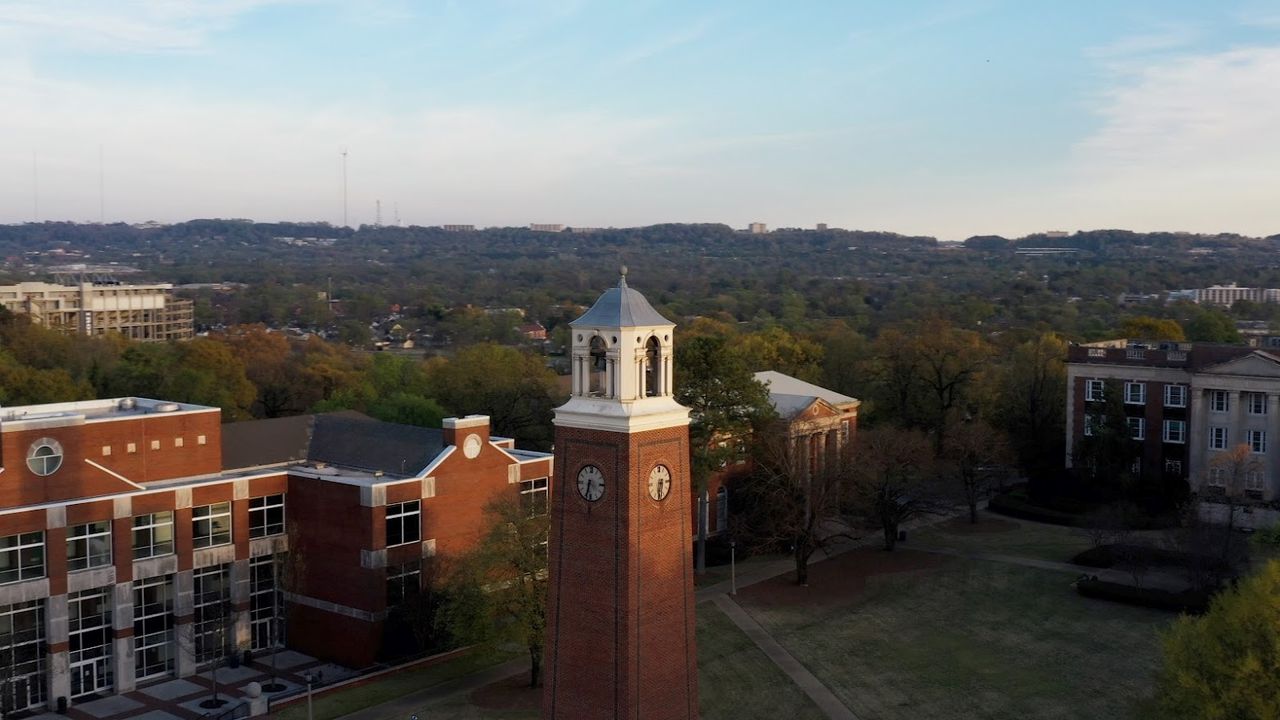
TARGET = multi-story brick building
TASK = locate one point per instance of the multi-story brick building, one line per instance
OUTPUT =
(140, 539)
(1186, 404)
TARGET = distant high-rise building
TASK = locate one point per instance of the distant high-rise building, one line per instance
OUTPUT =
(822, 227)
(757, 228)
(546, 227)
(139, 312)
(458, 228)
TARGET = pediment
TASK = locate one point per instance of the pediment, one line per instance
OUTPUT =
(817, 410)
(1255, 364)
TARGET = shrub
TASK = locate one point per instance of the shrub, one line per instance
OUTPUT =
(1187, 601)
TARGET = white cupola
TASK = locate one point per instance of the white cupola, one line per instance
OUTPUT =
(622, 366)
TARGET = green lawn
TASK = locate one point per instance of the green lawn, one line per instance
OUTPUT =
(341, 702)
(737, 681)
(1029, 539)
(975, 639)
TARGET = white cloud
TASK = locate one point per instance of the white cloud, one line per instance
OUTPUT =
(1187, 142)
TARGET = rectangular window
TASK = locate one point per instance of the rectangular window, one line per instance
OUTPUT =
(89, 545)
(211, 525)
(1137, 428)
(1253, 481)
(1135, 467)
(22, 641)
(1173, 467)
(153, 627)
(155, 444)
(1217, 477)
(1136, 354)
(131, 448)
(266, 602)
(177, 442)
(1094, 389)
(266, 516)
(1217, 438)
(106, 451)
(533, 496)
(1257, 440)
(1257, 403)
(200, 440)
(152, 534)
(214, 619)
(1219, 401)
(1175, 395)
(404, 523)
(403, 582)
(1175, 431)
(22, 557)
(1135, 393)
(1090, 422)
(91, 641)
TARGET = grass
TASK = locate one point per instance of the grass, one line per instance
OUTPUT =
(720, 573)
(342, 702)
(1028, 646)
(737, 681)
(1030, 539)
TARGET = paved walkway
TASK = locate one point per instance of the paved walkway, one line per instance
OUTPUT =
(808, 684)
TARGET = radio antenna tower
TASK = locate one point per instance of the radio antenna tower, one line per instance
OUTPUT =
(35, 184)
(395, 208)
(343, 151)
(102, 189)
(377, 213)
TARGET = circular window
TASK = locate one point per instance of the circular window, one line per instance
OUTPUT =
(44, 457)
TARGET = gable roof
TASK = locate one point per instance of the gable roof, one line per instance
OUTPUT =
(347, 439)
(1257, 362)
(791, 396)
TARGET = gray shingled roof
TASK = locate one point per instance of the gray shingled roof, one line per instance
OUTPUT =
(792, 395)
(621, 307)
(347, 439)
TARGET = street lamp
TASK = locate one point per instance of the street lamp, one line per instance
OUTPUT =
(733, 567)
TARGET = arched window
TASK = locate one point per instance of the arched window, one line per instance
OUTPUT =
(44, 457)
(652, 368)
(597, 367)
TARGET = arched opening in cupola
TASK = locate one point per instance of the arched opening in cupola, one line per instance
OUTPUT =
(597, 366)
(652, 368)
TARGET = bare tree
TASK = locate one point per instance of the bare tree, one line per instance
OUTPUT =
(894, 479)
(972, 454)
(1230, 471)
(792, 503)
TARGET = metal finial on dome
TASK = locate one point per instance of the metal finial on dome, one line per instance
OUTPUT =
(623, 281)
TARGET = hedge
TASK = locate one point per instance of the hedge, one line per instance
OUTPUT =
(1188, 601)
(1106, 556)
(1014, 506)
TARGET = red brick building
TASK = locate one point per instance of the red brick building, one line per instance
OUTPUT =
(139, 538)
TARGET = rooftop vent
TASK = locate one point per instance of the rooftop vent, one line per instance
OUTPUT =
(167, 407)
(126, 404)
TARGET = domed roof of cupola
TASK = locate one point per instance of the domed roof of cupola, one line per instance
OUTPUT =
(621, 307)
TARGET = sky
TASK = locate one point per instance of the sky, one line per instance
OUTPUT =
(948, 118)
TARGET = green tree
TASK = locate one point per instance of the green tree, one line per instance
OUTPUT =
(514, 388)
(1145, 327)
(1212, 325)
(499, 591)
(1225, 665)
(1106, 451)
(1031, 402)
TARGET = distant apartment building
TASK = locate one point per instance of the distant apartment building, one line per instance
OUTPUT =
(458, 228)
(1185, 404)
(139, 312)
(1228, 295)
(585, 230)
(757, 228)
(1056, 234)
(546, 227)
(821, 227)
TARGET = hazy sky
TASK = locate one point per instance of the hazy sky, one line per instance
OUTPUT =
(942, 118)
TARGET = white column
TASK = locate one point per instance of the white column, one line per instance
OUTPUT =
(122, 653)
(57, 632)
(1271, 488)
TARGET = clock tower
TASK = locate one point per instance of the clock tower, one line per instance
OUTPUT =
(620, 611)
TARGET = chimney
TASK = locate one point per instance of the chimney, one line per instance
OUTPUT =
(457, 429)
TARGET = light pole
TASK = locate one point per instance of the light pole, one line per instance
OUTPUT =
(733, 567)
(310, 678)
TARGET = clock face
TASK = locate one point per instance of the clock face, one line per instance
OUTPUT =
(591, 483)
(471, 447)
(659, 482)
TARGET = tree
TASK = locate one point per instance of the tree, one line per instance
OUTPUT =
(1212, 325)
(1145, 327)
(949, 361)
(1106, 452)
(1230, 471)
(894, 479)
(514, 388)
(1031, 404)
(972, 452)
(725, 403)
(499, 591)
(788, 506)
(1223, 665)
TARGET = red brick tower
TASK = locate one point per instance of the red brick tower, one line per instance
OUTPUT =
(620, 616)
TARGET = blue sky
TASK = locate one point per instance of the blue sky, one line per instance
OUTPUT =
(948, 118)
